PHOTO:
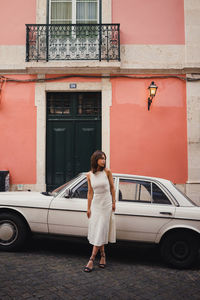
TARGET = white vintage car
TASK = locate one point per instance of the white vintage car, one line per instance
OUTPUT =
(148, 209)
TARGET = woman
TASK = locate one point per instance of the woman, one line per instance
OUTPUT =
(100, 207)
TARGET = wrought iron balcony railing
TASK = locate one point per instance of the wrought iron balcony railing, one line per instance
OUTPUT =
(72, 42)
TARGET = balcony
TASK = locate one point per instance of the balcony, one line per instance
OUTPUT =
(72, 42)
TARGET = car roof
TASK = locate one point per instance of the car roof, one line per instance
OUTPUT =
(162, 180)
(142, 177)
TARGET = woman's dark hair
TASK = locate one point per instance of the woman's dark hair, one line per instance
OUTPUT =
(94, 159)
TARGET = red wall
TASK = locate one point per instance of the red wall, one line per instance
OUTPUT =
(18, 131)
(150, 21)
(151, 142)
(14, 14)
(143, 142)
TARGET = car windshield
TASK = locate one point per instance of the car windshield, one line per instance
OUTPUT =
(64, 186)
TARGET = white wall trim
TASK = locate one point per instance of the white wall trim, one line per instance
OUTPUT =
(193, 130)
(41, 11)
(107, 11)
(106, 104)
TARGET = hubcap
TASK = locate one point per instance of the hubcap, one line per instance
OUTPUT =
(180, 250)
(8, 232)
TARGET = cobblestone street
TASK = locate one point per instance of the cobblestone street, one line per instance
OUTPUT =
(53, 269)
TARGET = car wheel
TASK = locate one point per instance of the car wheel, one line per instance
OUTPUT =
(179, 250)
(13, 232)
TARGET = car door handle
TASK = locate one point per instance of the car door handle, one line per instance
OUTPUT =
(165, 213)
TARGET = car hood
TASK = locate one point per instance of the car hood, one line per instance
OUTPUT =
(26, 199)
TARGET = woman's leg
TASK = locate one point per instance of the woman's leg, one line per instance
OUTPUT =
(102, 249)
(95, 250)
(102, 261)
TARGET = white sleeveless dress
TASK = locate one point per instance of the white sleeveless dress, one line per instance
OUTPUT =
(99, 231)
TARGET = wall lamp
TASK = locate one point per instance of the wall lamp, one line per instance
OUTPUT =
(152, 92)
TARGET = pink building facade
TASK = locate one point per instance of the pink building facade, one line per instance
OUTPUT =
(68, 90)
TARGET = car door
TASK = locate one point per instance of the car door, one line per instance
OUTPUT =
(67, 216)
(143, 208)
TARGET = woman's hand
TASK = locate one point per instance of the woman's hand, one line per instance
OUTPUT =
(88, 213)
(113, 206)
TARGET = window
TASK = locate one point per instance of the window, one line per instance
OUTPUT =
(158, 196)
(87, 11)
(73, 11)
(131, 190)
(88, 105)
(141, 191)
(61, 11)
(80, 191)
(70, 105)
(58, 104)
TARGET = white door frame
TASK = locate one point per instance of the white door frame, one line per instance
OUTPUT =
(104, 86)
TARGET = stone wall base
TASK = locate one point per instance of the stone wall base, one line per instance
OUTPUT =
(27, 187)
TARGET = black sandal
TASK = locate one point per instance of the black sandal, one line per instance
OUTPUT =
(102, 265)
(87, 269)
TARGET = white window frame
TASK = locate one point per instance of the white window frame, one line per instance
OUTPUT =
(73, 21)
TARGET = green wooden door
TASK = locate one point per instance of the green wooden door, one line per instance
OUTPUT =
(73, 133)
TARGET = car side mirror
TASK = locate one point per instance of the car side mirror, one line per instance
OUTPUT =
(68, 194)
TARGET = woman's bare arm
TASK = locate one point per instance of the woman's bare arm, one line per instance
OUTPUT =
(89, 195)
(112, 188)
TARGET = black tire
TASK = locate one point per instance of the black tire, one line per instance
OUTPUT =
(179, 250)
(13, 232)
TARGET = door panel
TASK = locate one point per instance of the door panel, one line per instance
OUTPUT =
(142, 210)
(88, 138)
(62, 141)
(68, 217)
(59, 142)
(141, 222)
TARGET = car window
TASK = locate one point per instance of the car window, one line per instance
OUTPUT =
(60, 189)
(158, 196)
(141, 191)
(81, 190)
(134, 190)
